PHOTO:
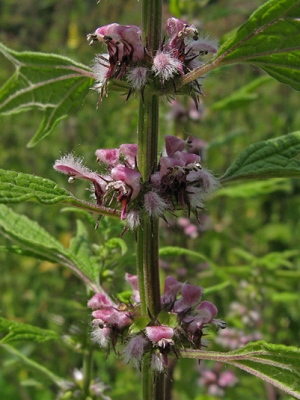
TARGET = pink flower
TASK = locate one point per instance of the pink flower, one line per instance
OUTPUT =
(124, 45)
(171, 290)
(160, 335)
(190, 296)
(134, 283)
(109, 157)
(100, 300)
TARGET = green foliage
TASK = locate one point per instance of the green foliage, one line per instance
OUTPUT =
(260, 216)
(269, 39)
(53, 84)
(17, 331)
(17, 187)
(35, 241)
(267, 159)
(276, 364)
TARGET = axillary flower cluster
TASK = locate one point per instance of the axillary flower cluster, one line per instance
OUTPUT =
(178, 182)
(129, 60)
(181, 323)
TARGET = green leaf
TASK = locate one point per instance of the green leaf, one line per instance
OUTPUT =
(116, 242)
(80, 245)
(242, 96)
(270, 39)
(273, 363)
(139, 324)
(59, 382)
(16, 331)
(17, 187)
(272, 158)
(34, 240)
(51, 83)
(174, 251)
(255, 188)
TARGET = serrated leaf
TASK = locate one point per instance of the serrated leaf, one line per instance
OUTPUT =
(270, 39)
(274, 158)
(273, 363)
(31, 237)
(16, 187)
(51, 83)
(16, 331)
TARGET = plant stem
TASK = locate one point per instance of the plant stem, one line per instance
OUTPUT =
(147, 238)
(87, 373)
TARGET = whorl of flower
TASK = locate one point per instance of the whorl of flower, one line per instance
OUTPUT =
(180, 179)
(129, 60)
(181, 301)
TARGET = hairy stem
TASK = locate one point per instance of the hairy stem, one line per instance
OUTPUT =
(147, 238)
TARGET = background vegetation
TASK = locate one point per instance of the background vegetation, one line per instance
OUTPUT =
(250, 231)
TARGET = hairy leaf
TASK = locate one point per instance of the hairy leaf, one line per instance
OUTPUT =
(17, 187)
(275, 364)
(274, 158)
(15, 331)
(51, 83)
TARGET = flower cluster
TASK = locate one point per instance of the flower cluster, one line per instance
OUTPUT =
(180, 323)
(178, 182)
(129, 59)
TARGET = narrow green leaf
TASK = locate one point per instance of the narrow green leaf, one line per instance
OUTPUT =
(15, 331)
(59, 382)
(173, 251)
(275, 364)
(16, 187)
(274, 158)
(270, 39)
(31, 237)
(255, 188)
(243, 96)
(51, 83)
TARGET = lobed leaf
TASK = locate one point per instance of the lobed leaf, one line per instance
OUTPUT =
(274, 158)
(275, 364)
(51, 83)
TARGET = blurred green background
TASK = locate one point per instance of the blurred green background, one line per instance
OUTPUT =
(250, 231)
